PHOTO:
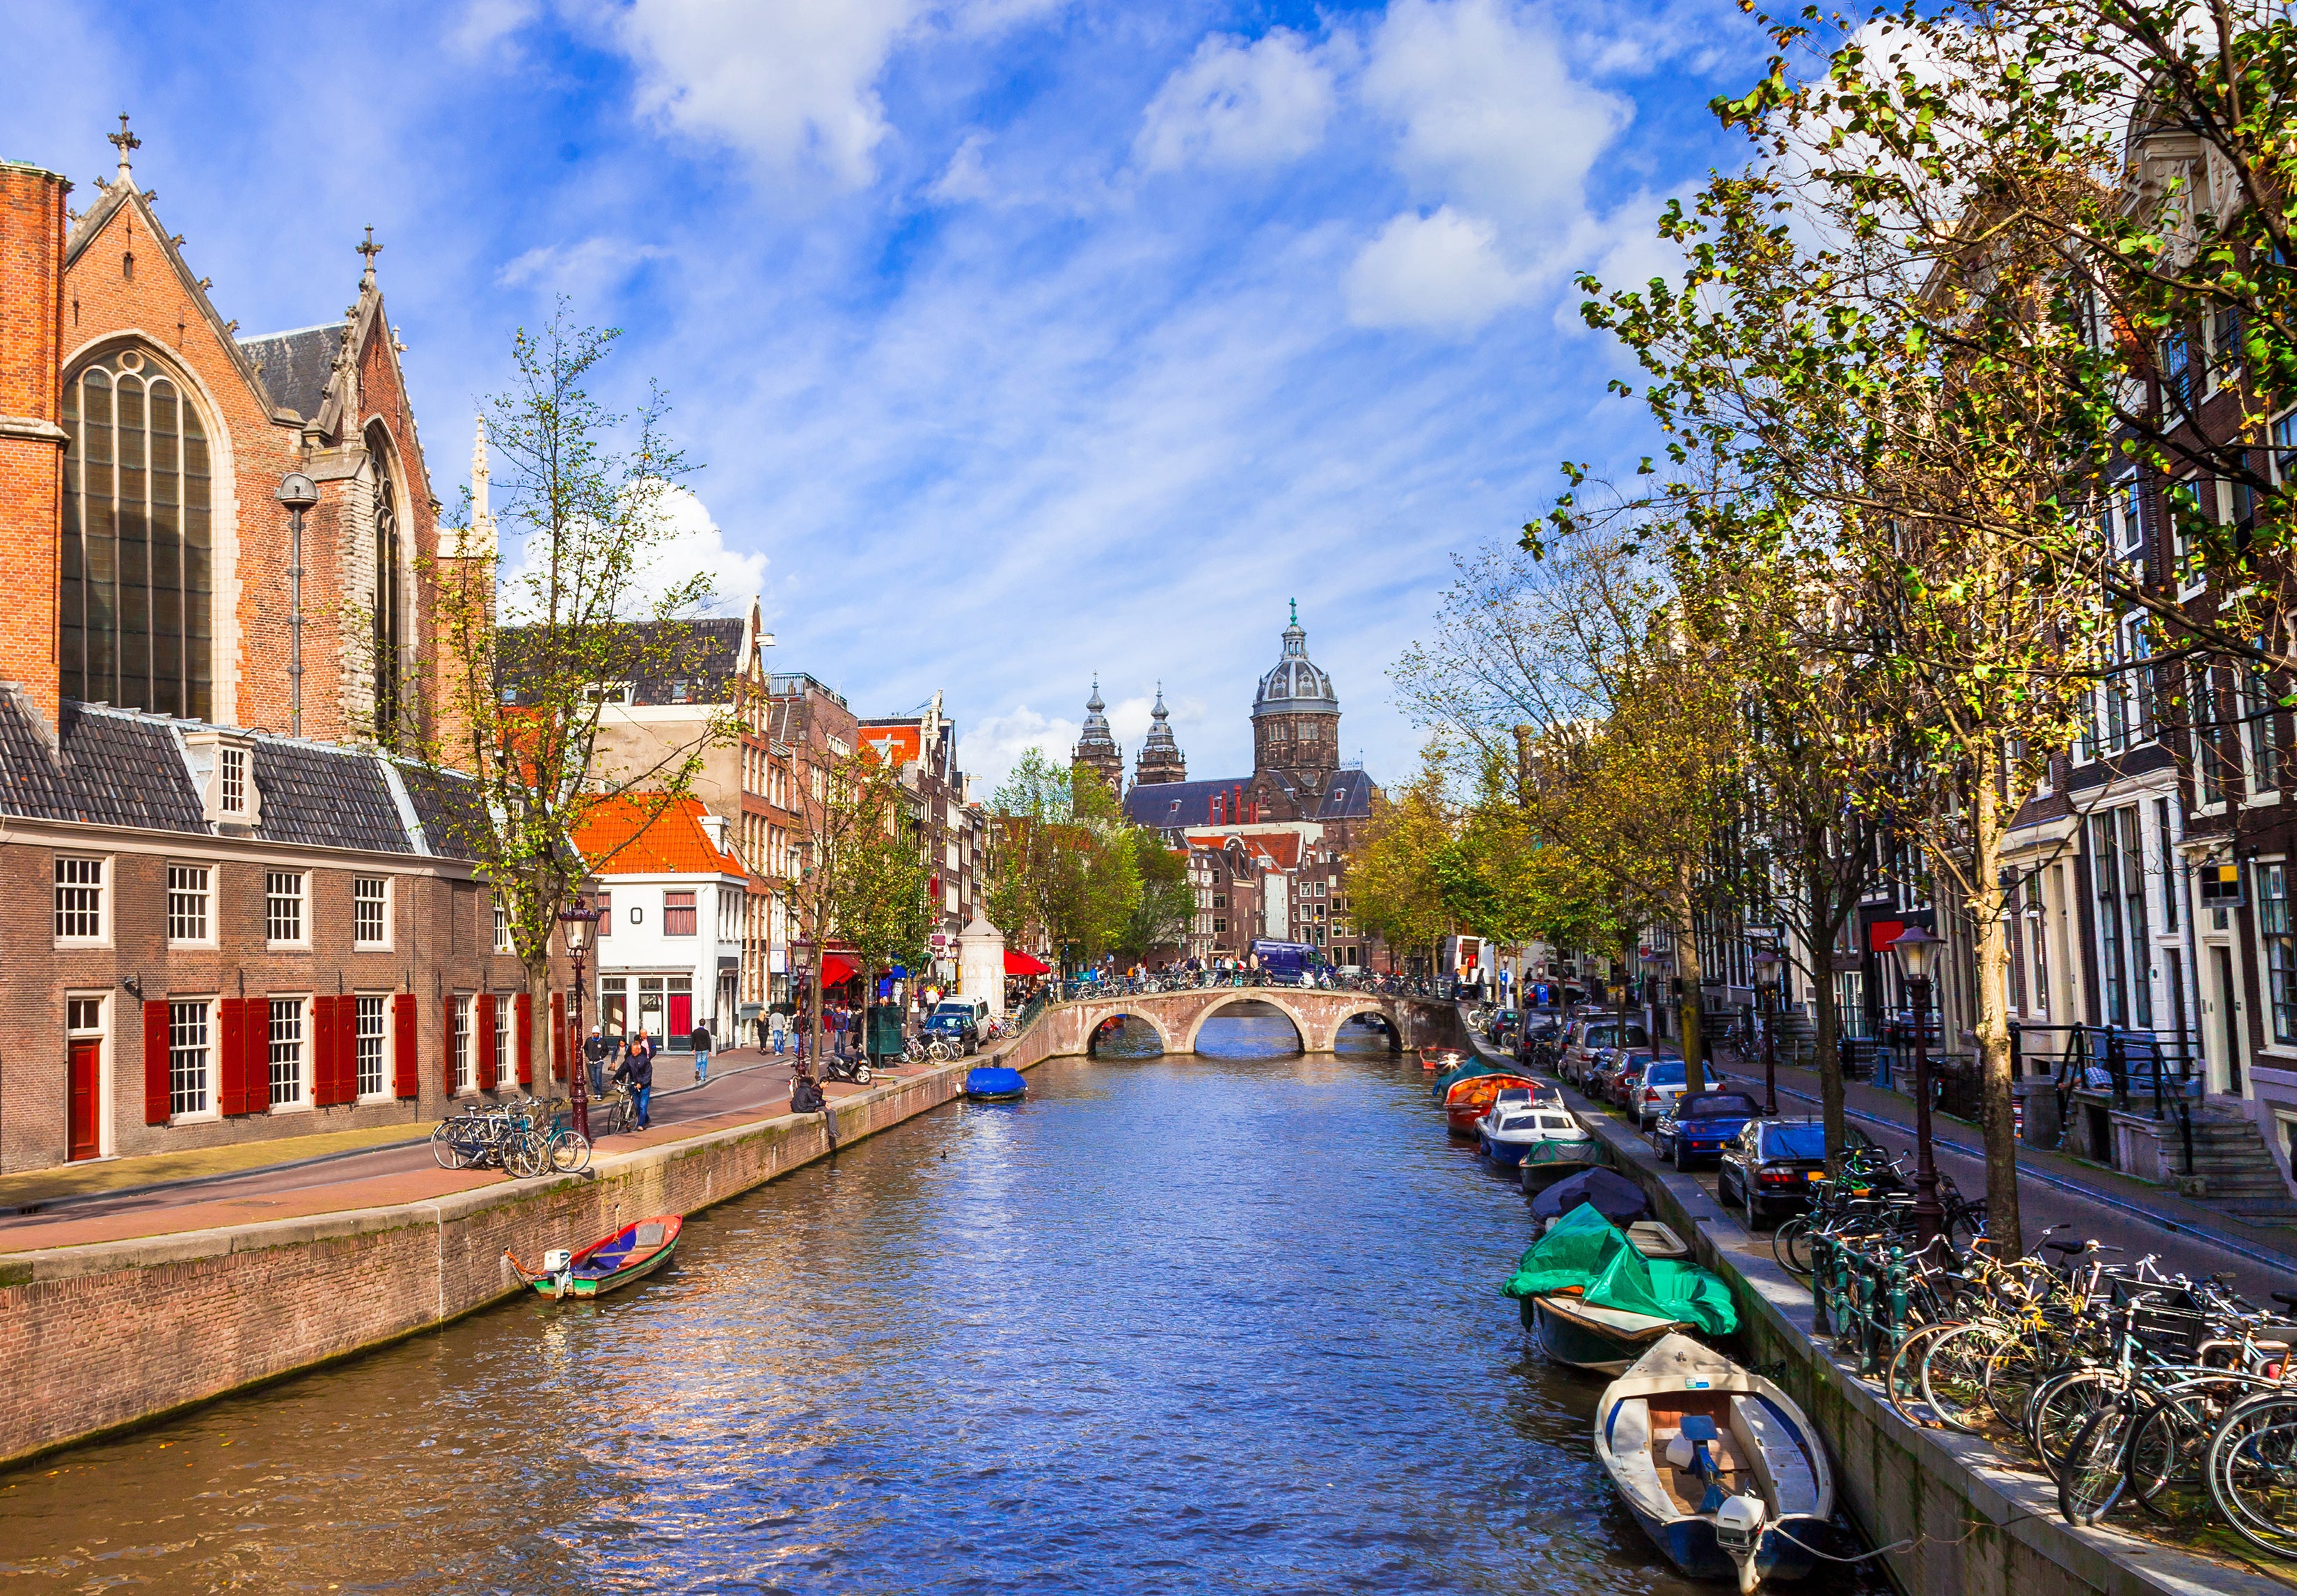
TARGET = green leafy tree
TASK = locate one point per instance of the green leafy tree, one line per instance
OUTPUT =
(521, 658)
(1070, 869)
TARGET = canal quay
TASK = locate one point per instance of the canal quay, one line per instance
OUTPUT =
(1220, 1321)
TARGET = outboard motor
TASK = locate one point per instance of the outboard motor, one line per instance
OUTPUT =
(1739, 1532)
(558, 1264)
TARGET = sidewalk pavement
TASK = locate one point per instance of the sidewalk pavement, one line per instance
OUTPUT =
(745, 1087)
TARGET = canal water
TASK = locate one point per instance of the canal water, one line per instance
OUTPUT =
(1222, 1322)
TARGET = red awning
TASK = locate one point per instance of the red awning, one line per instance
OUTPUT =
(1023, 964)
(835, 967)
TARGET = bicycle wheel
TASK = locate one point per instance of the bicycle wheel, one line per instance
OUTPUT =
(2064, 1404)
(448, 1147)
(2096, 1471)
(2011, 1370)
(2252, 1473)
(1965, 1225)
(2168, 1453)
(1790, 1244)
(1902, 1382)
(1954, 1374)
(524, 1154)
(570, 1151)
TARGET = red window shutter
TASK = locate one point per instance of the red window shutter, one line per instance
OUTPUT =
(447, 1047)
(347, 1047)
(234, 1056)
(405, 1082)
(522, 1037)
(155, 1062)
(482, 1038)
(558, 1036)
(255, 1073)
(323, 1051)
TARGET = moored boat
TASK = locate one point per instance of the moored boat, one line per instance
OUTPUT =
(610, 1262)
(1548, 1162)
(1440, 1058)
(1589, 1335)
(995, 1083)
(1595, 1302)
(1511, 1130)
(1469, 1099)
(1718, 1464)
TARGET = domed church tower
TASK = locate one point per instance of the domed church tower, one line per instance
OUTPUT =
(1161, 760)
(1296, 715)
(1097, 748)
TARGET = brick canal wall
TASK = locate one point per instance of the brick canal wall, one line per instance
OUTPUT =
(97, 1337)
(1978, 1529)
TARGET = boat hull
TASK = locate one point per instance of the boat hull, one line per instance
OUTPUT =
(1689, 1544)
(1507, 1155)
(1563, 1158)
(584, 1286)
(1570, 1337)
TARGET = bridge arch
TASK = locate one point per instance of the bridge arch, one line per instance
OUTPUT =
(1313, 1038)
(1379, 1012)
(1097, 1015)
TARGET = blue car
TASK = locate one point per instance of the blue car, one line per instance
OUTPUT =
(1702, 1129)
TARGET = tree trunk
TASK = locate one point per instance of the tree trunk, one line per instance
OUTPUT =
(1825, 1019)
(1687, 1005)
(538, 1038)
(1997, 1116)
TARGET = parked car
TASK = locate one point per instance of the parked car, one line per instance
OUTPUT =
(1607, 1080)
(1503, 1027)
(1591, 1035)
(1541, 1041)
(1662, 1084)
(1703, 1127)
(1770, 1166)
(957, 1021)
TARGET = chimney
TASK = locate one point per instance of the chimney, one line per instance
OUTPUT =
(31, 439)
(715, 825)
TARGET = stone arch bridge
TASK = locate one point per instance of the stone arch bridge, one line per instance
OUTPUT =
(1177, 1018)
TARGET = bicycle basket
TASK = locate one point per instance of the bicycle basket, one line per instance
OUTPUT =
(2167, 1320)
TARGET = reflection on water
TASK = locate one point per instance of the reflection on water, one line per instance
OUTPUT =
(1226, 1322)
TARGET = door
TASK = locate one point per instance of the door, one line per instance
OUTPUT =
(2229, 1017)
(681, 1016)
(87, 1053)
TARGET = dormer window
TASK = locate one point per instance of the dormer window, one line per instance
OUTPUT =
(233, 800)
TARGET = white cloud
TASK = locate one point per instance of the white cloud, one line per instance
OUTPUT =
(1440, 272)
(1239, 104)
(1490, 112)
(486, 23)
(995, 742)
(583, 270)
(792, 84)
(964, 179)
(695, 546)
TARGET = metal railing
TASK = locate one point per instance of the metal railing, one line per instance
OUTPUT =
(2136, 1071)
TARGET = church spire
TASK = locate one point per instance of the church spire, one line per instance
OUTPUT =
(1095, 747)
(369, 251)
(477, 540)
(124, 141)
(1161, 759)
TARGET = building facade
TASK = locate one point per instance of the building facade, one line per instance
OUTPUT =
(668, 949)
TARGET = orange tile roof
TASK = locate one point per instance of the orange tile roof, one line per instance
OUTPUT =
(674, 844)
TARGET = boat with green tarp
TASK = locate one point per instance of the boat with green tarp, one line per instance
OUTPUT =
(1465, 1071)
(1596, 1303)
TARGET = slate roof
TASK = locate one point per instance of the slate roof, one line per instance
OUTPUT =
(707, 657)
(124, 768)
(446, 807)
(298, 365)
(326, 797)
(1166, 806)
(1347, 796)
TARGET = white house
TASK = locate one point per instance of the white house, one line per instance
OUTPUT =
(668, 951)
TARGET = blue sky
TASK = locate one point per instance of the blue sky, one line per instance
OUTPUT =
(1021, 339)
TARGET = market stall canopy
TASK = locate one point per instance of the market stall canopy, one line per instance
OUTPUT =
(837, 967)
(1023, 964)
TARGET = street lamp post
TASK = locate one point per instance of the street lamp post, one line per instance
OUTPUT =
(1767, 989)
(577, 1065)
(1917, 950)
(299, 493)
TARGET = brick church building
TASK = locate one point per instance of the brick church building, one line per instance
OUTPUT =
(237, 914)
(1268, 850)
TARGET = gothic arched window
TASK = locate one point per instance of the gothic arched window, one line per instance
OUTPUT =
(138, 563)
(387, 572)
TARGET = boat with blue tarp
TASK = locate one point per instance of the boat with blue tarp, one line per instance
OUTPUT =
(995, 1083)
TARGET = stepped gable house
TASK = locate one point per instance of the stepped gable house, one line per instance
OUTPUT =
(225, 931)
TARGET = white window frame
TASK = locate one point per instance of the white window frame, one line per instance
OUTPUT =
(301, 899)
(501, 928)
(211, 1088)
(464, 1044)
(232, 780)
(359, 940)
(382, 1039)
(302, 1059)
(2186, 573)
(204, 898)
(101, 885)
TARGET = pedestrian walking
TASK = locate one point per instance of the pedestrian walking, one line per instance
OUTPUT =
(701, 1040)
(637, 1070)
(594, 1053)
(780, 1025)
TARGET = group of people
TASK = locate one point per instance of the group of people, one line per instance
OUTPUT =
(634, 1058)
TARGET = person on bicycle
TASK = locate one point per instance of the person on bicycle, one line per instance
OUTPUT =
(637, 1069)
